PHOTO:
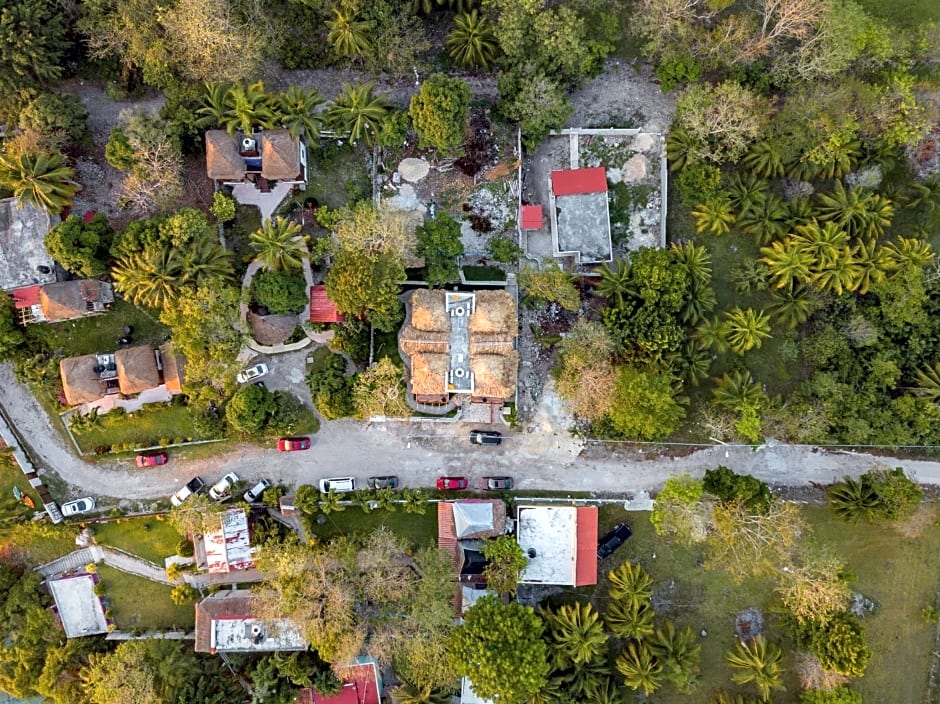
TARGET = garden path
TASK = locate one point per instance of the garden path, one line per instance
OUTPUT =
(118, 559)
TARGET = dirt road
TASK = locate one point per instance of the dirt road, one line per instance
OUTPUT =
(418, 454)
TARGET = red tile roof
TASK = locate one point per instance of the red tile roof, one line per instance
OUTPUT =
(322, 309)
(575, 182)
(531, 217)
(26, 297)
(361, 687)
(586, 564)
(447, 541)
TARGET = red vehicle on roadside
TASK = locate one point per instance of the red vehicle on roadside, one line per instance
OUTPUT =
(155, 460)
(293, 444)
(452, 483)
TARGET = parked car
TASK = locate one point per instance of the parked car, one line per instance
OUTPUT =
(485, 437)
(452, 483)
(193, 486)
(73, 508)
(255, 372)
(496, 483)
(613, 540)
(254, 493)
(388, 482)
(220, 489)
(293, 444)
(338, 485)
(154, 460)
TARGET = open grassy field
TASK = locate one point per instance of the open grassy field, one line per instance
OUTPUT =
(138, 603)
(150, 537)
(419, 530)
(100, 333)
(336, 174)
(895, 571)
(145, 429)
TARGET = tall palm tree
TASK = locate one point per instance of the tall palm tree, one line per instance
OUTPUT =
(679, 652)
(279, 244)
(714, 215)
(791, 308)
(40, 179)
(693, 361)
(695, 259)
(910, 252)
(852, 500)
(874, 262)
(348, 35)
(699, 302)
(629, 623)
(764, 160)
(576, 634)
(747, 329)
(757, 662)
(330, 503)
(630, 584)
(248, 107)
(823, 243)
(787, 264)
(745, 191)
(928, 383)
(640, 668)
(713, 334)
(765, 220)
(472, 42)
(841, 275)
(152, 278)
(415, 501)
(841, 159)
(858, 212)
(615, 283)
(737, 389)
(214, 105)
(580, 683)
(358, 111)
(206, 260)
(294, 111)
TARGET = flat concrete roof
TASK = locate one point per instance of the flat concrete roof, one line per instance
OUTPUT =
(79, 608)
(552, 533)
(584, 226)
(255, 635)
(23, 232)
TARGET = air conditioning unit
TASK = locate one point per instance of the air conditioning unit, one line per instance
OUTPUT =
(248, 144)
(460, 311)
(459, 373)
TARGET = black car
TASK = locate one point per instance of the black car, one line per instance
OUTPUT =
(613, 540)
(485, 437)
(382, 482)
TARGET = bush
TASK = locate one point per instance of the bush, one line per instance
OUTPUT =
(729, 486)
(839, 695)
(280, 291)
(223, 206)
(677, 71)
(56, 115)
(439, 113)
(99, 589)
(119, 152)
(331, 389)
(81, 248)
(185, 548)
(698, 183)
(503, 250)
(183, 594)
(878, 495)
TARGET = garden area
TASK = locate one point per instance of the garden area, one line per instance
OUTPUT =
(153, 425)
(150, 537)
(137, 604)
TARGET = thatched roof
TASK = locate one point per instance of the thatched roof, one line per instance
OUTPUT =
(494, 375)
(428, 312)
(414, 341)
(172, 368)
(280, 155)
(66, 300)
(137, 369)
(429, 374)
(495, 314)
(81, 382)
(223, 162)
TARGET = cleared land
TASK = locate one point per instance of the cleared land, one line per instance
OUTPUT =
(138, 603)
(150, 538)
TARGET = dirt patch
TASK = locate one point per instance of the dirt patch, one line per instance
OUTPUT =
(625, 95)
(913, 527)
(749, 624)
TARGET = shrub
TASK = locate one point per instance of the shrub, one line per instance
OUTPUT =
(183, 594)
(56, 115)
(729, 486)
(91, 568)
(280, 291)
(223, 206)
(331, 389)
(503, 250)
(677, 71)
(99, 589)
(185, 548)
(439, 113)
(839, 695)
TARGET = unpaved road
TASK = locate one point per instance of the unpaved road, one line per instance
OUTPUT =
(540, 459)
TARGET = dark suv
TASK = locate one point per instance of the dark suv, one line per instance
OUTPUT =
(613, 540)
(485, 437)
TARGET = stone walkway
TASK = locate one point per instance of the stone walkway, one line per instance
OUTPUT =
(112, 557)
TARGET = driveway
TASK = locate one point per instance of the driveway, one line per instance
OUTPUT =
(418, 453)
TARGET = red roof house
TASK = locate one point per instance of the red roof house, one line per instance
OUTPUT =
(530, 217)
(322, 309)
(586, 561)
(26, 297)
(362, 684)
(573, 182)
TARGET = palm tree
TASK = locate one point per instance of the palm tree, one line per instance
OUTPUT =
(823, 243)
(615, 283)
(699, 302)
(631, 585)
(408, 693)
(580, 683)
(908, 252)
(713, 334)
(628, 623)
(745, 191)
(347, 35)
(787, 264)
(802, 169)
(680, 145)
(280, 245)
(746, 329)
(330, 503)
(925, 195)
(608, 692)
(640, 668)
(852, 500)
(695, 259)
(714, 215)
(206, 260)
(357, 111)
(679, 652)
(840, 160)
(576, 634)
(214, 105)
(873, 262)
(152, 278)
(765, 220)
(693, 361)
(363, 499)
(858, 212)
(791, 308)
(841, 275)
(415, 501)
(40, 179)
(472, 43)
(295, 111)
(928, 383)
(737, 389)
(551, 693)
(799, 210)
(248, 107)
(757, 662)
(764, 160)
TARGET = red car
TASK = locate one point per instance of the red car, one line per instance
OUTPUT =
(152, 460)
(293, 444)
(452, 483)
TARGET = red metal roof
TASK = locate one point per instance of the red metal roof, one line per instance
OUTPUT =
(585, 572)
(575, 182)
(361, 687)
(322, 309)
(26, 297)
(531, 217)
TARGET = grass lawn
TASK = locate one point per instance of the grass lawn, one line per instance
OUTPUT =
(148, 537)
(11, 476)
(335, 174)
(99, 333)
(419, 530)
(138, 603)
(145, 428)
(895, 571)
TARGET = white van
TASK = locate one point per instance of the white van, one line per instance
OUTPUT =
(338, 485)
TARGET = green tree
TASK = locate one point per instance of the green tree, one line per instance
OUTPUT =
(472, 43)
(679, 653)
(645, 405)
(860, 213)
(58, 118)
(630, 585)
(295, 111)
(280, 244)
(552, 284)
(616, 281)
(746, 329)
(839, 695)
(40, 179)
(11, 334)
(347, 34)
(500, 649)
(628, 622)
(537, 101)
(640, 668)
(331, 389)
(503, 250)
(153, 278)
(715, 215)
(722, 120)
(765, 220)
(506, 562)
(679, 511)
(877, 495)
(757, 662)
(80, 247)
(439, 113)
(223, 206)
(367, 285)
(144, 671)
(440, 244)
(788, 264)
(576, 635)
(248, 411)
(358, 111)
(280, 291)
(840, 645)
(728, 486)
(408, 693)
(247, 107)
(32, 46)
(792, 308)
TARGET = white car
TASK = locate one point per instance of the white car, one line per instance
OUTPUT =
(338, 485)
(73, 508)
(257, 491)
(194, 486)
(255, 372)
(220, 489)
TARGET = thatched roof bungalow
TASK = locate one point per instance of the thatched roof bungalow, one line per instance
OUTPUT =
(223, 161)
(137, 369)
(67, 300)
(280, 155)
(81, 379)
